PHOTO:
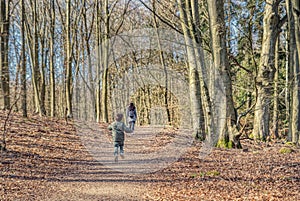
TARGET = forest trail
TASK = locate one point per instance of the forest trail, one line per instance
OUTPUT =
(147, 150)
(49, 159)
(125, 179)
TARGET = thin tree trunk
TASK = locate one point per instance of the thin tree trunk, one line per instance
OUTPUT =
(295, 105)
(290, 60)
(43, 56)
(23, 63)
(32, 39)
(4, 38)
(68, 62)
(89, 59)
(105, 51)
(206, 112)
(288, 71)
(35, 59)
(276, 96)
(296, 14)
(296, 97)
(99, 61)
(51, 62)
(164, 65)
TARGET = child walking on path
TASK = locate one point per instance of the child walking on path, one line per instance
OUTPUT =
(118, 128)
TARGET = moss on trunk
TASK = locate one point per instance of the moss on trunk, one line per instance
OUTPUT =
(228, 144)
(225, 144)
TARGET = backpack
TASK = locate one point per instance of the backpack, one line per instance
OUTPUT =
(131, 113)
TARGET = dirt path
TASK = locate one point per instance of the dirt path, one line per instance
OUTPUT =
(54, 161)
(126, 179)
(118, 188)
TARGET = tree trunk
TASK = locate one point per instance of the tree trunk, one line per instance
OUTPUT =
(4, 39)
(290, 60)
(105, 54)
(99, 55)
(276, 95)
(91, 84)
(206, 111)
(265, 75)
(23, 64)
(51, 62)
(68, 62)
(32, 39)
(43, 56)
(296, 14)
(295, 127)
(193, 47)
(164, 65)
(229, 137)
(295, 103)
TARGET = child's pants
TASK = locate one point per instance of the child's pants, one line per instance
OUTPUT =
(116, 148)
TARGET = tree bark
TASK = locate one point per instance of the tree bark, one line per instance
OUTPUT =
(32, 40)
(4, 48)
(229, 137)
(68, 61)
(23, 64)
(193, 47)
(51, 62)
(104, 58)
(295, 133)
(43, 56)
(89, 59)
(99, 55)
(276, 95)
(164, 65)
(265, 75)
(290, 60)
(296, 14)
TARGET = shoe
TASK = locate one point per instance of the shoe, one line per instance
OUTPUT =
(122, 155)
(116, 159)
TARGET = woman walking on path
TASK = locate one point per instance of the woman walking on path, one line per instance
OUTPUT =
(131, 115)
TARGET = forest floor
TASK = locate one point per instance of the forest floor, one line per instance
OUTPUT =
(50, 159)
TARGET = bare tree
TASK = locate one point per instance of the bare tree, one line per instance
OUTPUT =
(4, 49)
(230, 134)
(189, 15)
(87, 37)
(43, 54)
(164, 65)
(296, 13)
(23, 63)
(32, 37)
(52, 16)
(104, 61)
(105, 29)
(99, 56)
(295, 52)
(265, 75)
(276, 94)
(68, 60)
